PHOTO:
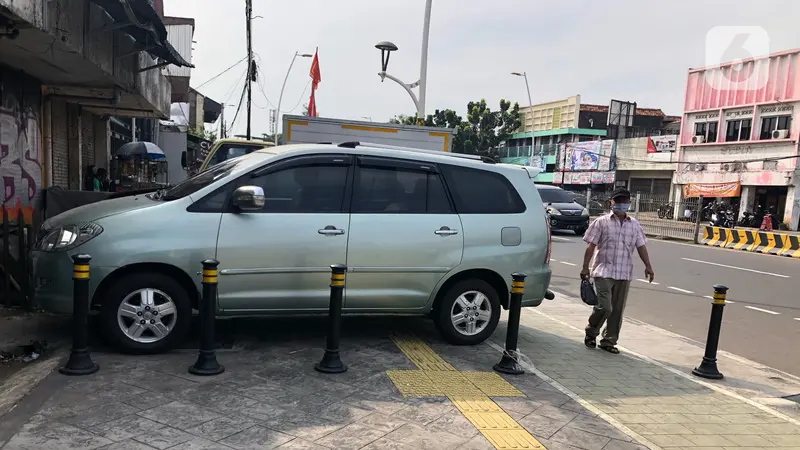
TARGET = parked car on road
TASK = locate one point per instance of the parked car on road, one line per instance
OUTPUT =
(422, 233)
(563, 212)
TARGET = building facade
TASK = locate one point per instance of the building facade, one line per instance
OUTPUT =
(739, 134)
(66, 66)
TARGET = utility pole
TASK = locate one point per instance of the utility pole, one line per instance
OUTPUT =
(251, 72)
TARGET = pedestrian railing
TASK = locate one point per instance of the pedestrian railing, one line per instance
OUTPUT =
(17, 242)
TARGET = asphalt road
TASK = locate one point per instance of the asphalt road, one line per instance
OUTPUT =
(761, 321)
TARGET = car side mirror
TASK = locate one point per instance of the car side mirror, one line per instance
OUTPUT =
(249, 198)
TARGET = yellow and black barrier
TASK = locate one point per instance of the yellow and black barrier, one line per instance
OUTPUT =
(766, 242)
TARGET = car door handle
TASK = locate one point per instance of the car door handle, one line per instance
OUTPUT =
(330, 230)
(445, 231)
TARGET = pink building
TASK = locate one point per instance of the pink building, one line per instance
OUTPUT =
(739, 134)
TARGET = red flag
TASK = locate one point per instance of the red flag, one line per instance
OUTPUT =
(316, 77)
(312, 105)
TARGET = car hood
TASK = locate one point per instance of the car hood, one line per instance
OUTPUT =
(98, 210)
(564, 206)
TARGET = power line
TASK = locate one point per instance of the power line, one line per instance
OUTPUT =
(220, 74)
(239, 108)
(302, 96)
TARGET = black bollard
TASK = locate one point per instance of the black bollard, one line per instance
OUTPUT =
(206, 364)
(331, 362)
(708, 367)
(80, 361)
(509, 364)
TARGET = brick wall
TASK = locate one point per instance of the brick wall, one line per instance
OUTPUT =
(60, 144)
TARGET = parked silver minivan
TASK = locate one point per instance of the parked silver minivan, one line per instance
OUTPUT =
(423, 233)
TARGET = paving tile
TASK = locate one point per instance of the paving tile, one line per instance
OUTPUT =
(300, 444)
(146, 400)
(423, 413)
(125, 428)
(164, 437)
(420, 438)
(519, 405)
(597, 426)
(222, 427)
(99, 414)
(256, 438)
(42, 433)
(454, 423)
(555, 413)
(751, 440)
(477, 443)
(382, 422)
(616, 444)
(197, 443)
(353, 436)
(580, 438)
(708, 440)
(543, 426)
(179, 415)
(302, 425)
(127, 445)
(370, 401)
(785, 440)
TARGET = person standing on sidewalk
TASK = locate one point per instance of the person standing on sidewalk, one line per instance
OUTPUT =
(611, 240)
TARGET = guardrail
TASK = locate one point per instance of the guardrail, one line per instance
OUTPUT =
(766, 242)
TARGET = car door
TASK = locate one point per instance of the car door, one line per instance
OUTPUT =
(279, 258)
(404, 235)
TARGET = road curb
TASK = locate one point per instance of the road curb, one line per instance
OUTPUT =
(13, 390)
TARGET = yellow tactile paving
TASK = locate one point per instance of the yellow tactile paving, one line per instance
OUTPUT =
(421, 355)
(468, 391)
(492, 384)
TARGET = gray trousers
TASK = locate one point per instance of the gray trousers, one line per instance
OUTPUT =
(611, 298)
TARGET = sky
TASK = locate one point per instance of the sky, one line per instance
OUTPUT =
(632, 50)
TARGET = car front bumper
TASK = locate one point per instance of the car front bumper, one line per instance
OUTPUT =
(52, 278)
(568, 222)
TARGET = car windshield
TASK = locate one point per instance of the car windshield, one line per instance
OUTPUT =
(191, 185)
(556, 196)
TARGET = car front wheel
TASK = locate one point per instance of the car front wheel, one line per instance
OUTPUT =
(468, 313)
(146, 313)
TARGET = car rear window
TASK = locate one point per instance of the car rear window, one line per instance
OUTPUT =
(550, 195)
(481, 191)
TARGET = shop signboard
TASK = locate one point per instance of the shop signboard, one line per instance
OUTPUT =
(657, 144)
(731, 189)
(588, 155)
(584, 177)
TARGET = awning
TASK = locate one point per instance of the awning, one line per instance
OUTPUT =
(144, 25)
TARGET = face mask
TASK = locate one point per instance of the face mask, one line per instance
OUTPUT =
(621, 207)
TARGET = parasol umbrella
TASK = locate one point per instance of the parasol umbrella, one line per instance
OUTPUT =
(141, 148)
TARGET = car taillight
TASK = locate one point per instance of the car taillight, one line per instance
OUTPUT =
(549, 241)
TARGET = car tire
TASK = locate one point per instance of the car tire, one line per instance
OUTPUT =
(580, 231)
(490, 302)
(162, 290)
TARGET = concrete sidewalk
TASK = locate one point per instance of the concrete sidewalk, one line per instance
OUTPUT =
(647, 391)
(405, 389)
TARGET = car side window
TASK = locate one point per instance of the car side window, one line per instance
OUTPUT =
(230, 151)
(481, 191)
(394, 190)
(312, 188)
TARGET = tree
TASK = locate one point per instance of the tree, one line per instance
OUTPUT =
(482, 132)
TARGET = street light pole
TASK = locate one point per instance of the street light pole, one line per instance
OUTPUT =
(387, 47)
(250, 71)
(280, 98)
(530, 103)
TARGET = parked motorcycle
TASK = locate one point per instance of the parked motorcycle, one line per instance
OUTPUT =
(665, 211)
(723, 216)
(748, 220)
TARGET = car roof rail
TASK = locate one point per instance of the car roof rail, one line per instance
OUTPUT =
(354, 144)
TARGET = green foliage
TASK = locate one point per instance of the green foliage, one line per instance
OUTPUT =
(481, 133)
(203, 134)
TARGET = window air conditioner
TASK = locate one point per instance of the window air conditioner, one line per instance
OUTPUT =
(698, 139)
(780, 134)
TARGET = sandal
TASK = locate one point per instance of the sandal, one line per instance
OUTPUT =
(589, 342)
(610, 349)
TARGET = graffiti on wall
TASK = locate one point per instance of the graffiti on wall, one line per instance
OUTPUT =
(20, 143)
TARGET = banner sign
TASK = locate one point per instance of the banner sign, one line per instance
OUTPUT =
(656, 144)
(587, 155)
(731, 189)
(584, 178)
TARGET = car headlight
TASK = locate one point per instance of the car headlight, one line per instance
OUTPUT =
(68, 237)
(553, 212)
(585, 212)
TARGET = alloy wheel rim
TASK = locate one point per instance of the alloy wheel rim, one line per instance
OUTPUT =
(471, 313)
(147, 315)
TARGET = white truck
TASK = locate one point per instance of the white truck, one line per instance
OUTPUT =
(316, 130)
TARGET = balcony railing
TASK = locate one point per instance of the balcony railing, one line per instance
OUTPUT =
(525, 150)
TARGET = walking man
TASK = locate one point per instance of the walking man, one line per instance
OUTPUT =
(608, 259)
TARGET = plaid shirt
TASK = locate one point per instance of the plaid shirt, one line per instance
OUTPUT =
(615, 240)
